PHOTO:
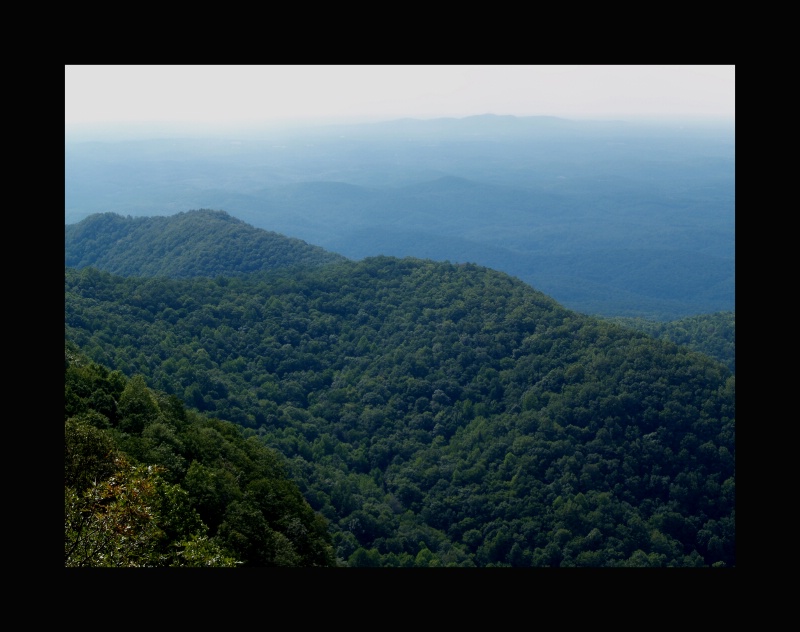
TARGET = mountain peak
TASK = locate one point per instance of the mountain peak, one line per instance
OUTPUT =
(197, 243)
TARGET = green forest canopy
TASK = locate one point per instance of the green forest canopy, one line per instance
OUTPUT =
(438, 414)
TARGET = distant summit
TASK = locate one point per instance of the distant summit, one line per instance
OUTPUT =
(200, 243)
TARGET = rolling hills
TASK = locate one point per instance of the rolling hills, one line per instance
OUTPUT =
(610, 218)
(432, 413)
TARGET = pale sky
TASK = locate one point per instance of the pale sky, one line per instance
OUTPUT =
(307, 93)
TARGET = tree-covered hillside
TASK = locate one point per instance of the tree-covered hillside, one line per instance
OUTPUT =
(712, 334)
(192, 244)
(149, 483)
(439, 414)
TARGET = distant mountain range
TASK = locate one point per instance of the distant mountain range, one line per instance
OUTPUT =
(609, 217)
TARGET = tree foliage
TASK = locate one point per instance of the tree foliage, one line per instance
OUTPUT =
(132, 500)
(431, 413)
(712, 334)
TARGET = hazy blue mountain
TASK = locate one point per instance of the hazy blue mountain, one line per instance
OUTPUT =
(611, 218)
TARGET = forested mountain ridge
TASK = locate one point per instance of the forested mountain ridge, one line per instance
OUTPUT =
(207, 243)
(439, 414)
(194, 243)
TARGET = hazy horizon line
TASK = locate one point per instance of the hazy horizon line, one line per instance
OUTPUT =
(130, 129)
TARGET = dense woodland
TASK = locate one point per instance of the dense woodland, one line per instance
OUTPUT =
(429, 413)
(208, 243)
(150, 483)
(712, 334)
